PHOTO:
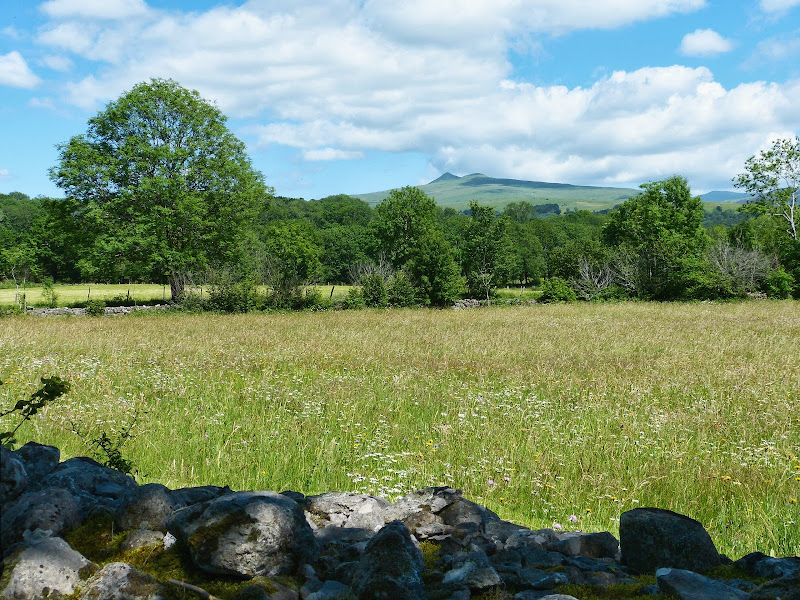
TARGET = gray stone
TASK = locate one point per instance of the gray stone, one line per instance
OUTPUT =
(147, 507)
(43, 568)
(687, 585)
(391, 567)
(785, 588)
(539, 539)
(420, 508)
(534, 558)
(343, 509)
(246, 533)
(193, 495)
(590, 545)
(39, 460)
(52, 510)
(94, 486)
(142, 538)
(551, 581)
(329, 591)
(540, 595)
(13, 476)
(465, 511)
(757, 564)
(473, 570)
(651, 538)
(121, 581)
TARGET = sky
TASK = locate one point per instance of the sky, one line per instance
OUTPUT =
(356, 96)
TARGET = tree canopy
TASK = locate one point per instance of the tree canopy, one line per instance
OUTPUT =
(158, 185)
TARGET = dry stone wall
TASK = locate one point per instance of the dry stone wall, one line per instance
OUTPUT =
(433, 544)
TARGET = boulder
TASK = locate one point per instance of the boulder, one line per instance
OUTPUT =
(53, 510)
(94, 486)
(193, 495)
(473, 570)
(121, 581)
(590, 545)
(39, 460)
(651, 538)
(687, 585)
(785, 588)
(13, 476)
(757, 564)
(142, 538)
(246, 533)
(40, 569)
(391, 567)
(146, 507)
(344, 509)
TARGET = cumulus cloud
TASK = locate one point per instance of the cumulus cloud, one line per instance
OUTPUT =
(778, 6)
(14, 71)
(5, 174)
(775, 49)
(337, 80)
(57, 63)
(705, 42)
(94, 9)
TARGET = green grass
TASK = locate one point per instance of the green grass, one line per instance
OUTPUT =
(538, 412)
(137, 292)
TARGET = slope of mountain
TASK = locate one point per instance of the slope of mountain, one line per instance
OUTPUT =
(451, 191)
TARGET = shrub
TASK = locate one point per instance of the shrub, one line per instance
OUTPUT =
(556, 289)
(234, 297)
(400, 291)
(778, 283)
(49, 293)
(95, 308)
(373, 289)
(354, 299)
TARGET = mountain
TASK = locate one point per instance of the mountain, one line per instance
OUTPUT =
(451, 191)
(717, 197)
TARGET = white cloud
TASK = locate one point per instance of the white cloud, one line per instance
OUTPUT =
(14, 71)
(705, 42)
(323, 154)
(775, 49)
(337, 81)
(57, 63)
(11, 32)
(778, 6)
(94, 9)
(5, 174)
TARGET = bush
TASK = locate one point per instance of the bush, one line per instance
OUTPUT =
(49, 293)
(556, 289)
(400, 292)
(310, 299)
(373, 289)
(95, 308)
(778, 284)
(354, 299)
(236, 297)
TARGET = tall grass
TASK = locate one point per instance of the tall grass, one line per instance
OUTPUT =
(542, 413)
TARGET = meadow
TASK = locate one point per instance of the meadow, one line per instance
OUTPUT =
(551, 415)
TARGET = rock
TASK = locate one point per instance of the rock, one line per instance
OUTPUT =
(757, 564)
(141, 538)
(590, 545)
(390, 568)
(39, 460)
(465, 511)
(651, 538)
(37, 570)
(539, 539)
(246, 533)
(534, 595)
(53, 510)
(330, 590)
(534, 558)
(193, 495)
(94, 486)
(420, 508)
(785, 588)
(146, 507)
(473, 570)
(252, 592)
(343, 509)
(121, 581)
(13, 476)
(687, 585)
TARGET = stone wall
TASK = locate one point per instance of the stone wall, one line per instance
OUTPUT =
(433, 544)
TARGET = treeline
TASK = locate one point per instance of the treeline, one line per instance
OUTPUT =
(408, 251)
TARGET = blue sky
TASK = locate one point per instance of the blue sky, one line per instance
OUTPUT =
(351, 96)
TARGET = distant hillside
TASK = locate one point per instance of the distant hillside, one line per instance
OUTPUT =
(456, 192)
(451, 191)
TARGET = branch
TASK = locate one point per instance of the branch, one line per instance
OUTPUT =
(193, 588)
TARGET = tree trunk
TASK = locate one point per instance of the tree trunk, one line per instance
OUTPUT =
(177, 286)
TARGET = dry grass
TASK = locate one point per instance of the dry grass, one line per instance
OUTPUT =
(542, 413)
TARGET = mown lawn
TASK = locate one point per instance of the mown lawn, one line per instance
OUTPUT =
(566, 414)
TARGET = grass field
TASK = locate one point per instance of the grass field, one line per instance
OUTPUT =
(133, 292)
(540, 412)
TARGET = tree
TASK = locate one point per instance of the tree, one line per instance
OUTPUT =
(773, 179)
(292, 259)
(487, 256)
(662, 230)
(159, 182)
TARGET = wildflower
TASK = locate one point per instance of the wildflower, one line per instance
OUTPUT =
(557, 525)
(573, 518)
(490, 482)
(588, 510)
(725, 477)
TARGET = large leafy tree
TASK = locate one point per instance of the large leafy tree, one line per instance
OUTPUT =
(773, 179)
(487, 256)
(661, 232)
(159, 185)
